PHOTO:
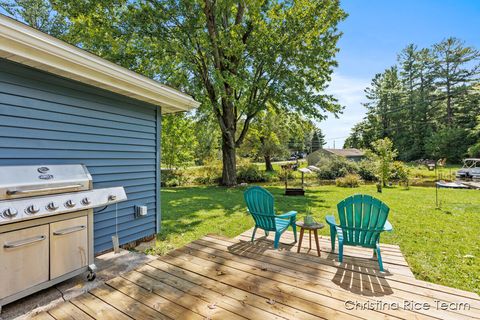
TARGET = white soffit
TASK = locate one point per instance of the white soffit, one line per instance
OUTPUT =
(28, 46)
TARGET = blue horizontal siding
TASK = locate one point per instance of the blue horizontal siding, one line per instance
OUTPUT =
(50, 120)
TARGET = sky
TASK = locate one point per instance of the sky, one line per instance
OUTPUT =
(375, 32)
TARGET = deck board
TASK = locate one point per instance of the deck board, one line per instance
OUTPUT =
(220, 278)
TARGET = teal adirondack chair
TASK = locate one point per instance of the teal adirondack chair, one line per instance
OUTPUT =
(362, 219)
(260, 206)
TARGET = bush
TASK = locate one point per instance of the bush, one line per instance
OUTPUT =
(281, 174)
(400, 172)
(210, 173)
(336, 167)
(366, 170)
(250, 173)
(173, 178)
(474, 151)
(349, 181)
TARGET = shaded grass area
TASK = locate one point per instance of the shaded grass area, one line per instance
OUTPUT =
(441, 245)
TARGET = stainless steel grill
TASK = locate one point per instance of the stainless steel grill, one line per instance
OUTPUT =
(46, 221)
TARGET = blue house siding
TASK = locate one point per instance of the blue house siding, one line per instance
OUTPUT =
(49, 120)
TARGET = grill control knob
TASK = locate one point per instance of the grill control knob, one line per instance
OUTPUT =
(32, 209)
(10, 212)
(69, 204)
(112, 197)
(52, 206)
(86, 201)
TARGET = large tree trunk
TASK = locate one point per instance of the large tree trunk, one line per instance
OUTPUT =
(229, 173)
(268, 163)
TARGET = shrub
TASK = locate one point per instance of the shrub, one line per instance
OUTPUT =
(366, 170)
(336, 167)
(349, 181)
(250, 173)
(400, 172)
(474, 151)
(173, 178)
(210, 173)
(281, 174)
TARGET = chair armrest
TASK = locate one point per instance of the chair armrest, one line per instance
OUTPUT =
(287, 215)
(388, 226)
(331, 220)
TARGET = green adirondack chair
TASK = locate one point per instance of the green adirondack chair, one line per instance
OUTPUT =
(260, 206)
(362, 219)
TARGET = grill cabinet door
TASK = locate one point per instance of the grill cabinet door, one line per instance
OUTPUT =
(68, 246)
(23, 259)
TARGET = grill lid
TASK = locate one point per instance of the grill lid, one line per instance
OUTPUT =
(29, 181)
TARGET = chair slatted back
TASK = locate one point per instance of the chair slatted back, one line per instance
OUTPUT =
(260, 205)
(362, 219)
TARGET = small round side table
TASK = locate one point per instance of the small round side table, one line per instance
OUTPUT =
(313, 227)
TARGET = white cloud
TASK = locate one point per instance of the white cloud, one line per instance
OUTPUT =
(350, 93)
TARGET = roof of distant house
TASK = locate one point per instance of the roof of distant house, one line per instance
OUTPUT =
(28, 46)
(349, 152)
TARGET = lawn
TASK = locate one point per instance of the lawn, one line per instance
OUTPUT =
(441, 245)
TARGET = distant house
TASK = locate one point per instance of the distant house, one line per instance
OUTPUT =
(351, 154)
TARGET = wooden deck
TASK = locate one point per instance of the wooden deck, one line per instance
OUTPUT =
(219, 278)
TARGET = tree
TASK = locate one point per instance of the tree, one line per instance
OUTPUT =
(271, 134)
(178, 140)
(318, 140)
(383, 155)
(38, 14)
(236, 57)
(426, 105)
(207, 136)
(268, 136)
(448, 142)
(454, 72)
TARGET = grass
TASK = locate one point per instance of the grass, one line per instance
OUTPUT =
(441, 245)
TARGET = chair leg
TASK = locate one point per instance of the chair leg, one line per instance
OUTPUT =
(379, 257)
(333, 234)
(253, 234)
(277, 240)
(340, 251)
(294, 227)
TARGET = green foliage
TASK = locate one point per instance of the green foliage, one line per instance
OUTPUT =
(234, 57)
(39, 14)
(399, 172)
(210, 173)
(318, 140)
(335, 167)
(268, 136)
(474, 151)
(285, 173)
(314, 158)
(367, 170)
(349, 181)
(174, 178)
(450, 143)
(250, 172)
(207, 136)
(431, 93)
(178, 141)
(383, 155)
